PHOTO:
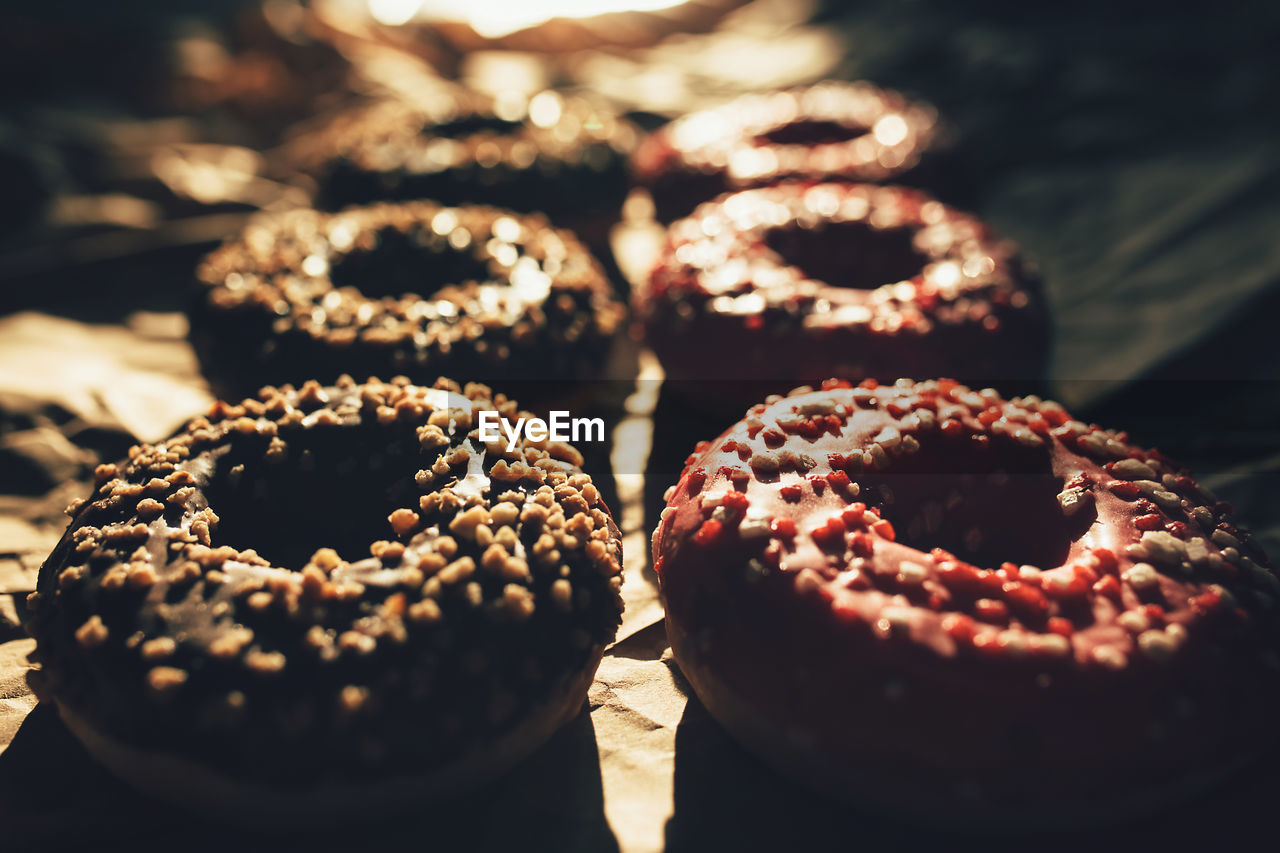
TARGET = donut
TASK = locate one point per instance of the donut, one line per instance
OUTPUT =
(327, 603)
(951, 606)
(415, 289)
(562, 155)
(796, 283)
(829, 131)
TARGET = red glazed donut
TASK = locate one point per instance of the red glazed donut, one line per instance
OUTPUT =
(967, 609)
(793, 284)
(830, 131)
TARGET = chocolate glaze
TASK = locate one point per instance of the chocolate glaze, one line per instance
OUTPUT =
(562, 155)
(830, 131)
(796, 283)
(193, 609)
(809, 595)
(415, 289)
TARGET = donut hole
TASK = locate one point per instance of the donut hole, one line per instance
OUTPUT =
(849, 254)
(400, 263)
(329, 492)
(812, 132)
(985, 507)
(465, 126)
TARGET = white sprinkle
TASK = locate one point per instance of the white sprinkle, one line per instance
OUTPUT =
(1198, 551)
(1157, 645)
(1163, 547)
(912, 574)
(1027, 438)
(1141, 576)
(888, 438)
(1074, 500)
(1054, 645)
(1117, 449)
(1132, 469)
(1092, 443)
(1225, 540)
(821, 406)
(1163, 498)
(1110, 657)
(808, 581)
(1134, 620)
(1014, 642)
(764, 462)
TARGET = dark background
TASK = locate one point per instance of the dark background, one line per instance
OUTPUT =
(1130, 148)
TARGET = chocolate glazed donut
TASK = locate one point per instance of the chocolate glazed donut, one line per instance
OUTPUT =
(557, 154)
(827, 132)
(797, 283)
(417, 289)
(327, 604)
(966, 609)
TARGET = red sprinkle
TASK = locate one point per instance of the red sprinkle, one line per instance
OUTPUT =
(1108, 586)
(960, 577)
(1028, 601)
(960, 627)
(862, 544)
(1076, 588)
(1107, 561)
(883, 529)
(1148, 522)
(1061, 626)
(1085, 573)
(784, 527)
(790, 492)
(1124, 489)
(830, 535)
(1206, 602)
(709, 532)
(844, 611)
(991, 610)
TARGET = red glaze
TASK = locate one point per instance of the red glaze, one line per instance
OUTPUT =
(833, 130)
(796, 283)
(841, 636)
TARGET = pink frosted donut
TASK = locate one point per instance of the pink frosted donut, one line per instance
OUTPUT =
(971, 609)
(796, 283)
(830, 131)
